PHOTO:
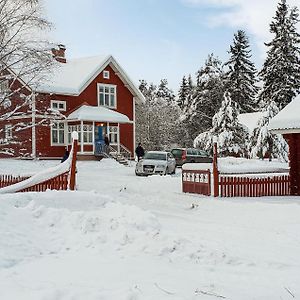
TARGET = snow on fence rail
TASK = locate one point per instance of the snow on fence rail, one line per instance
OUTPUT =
(60, 177)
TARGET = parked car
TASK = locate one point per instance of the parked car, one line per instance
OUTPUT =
(190, 155)
(156, 162)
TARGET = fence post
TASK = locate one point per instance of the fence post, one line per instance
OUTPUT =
(215, 170)
(73, 163)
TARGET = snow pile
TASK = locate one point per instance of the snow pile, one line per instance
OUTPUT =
(46, 226)
(233, 165)
(242, 165)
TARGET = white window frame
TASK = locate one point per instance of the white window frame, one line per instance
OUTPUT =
(8, 132)
(109, 86)
(58, 130)
(106, 74)
(58, 102)
(114, 130)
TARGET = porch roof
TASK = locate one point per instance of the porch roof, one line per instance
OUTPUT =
(97, 114)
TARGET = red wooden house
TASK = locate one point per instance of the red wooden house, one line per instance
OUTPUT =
(93, 96)
(287, 123)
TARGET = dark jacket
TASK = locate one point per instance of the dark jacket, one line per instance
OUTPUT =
(65, 157)
(139, 151)
(106, 141)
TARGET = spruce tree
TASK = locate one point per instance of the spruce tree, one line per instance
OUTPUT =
(183, 92)
(241, 77)
(207, 96)
(281, 69)
(263, 142)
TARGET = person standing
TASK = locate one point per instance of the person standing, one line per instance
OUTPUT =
(106, 143)
(139, 151)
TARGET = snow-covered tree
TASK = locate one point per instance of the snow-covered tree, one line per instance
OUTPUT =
(164, 92)
(231, 134)
(206, 98)
(263, 142)
(25, 60)
(241, 76)
(281, 69)
(157, 120)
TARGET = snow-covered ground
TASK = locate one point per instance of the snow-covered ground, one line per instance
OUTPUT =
(126, 237)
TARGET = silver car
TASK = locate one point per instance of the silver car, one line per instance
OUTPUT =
(156, 162)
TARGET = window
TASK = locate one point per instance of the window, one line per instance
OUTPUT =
(58, 105)
(88, 134)
(8, 132)
(58, 133)
(106, 74)
(107, 95)
(113, 134)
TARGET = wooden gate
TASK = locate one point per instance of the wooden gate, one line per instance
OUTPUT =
(196, 182)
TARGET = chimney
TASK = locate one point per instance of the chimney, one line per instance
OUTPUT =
(59, 53)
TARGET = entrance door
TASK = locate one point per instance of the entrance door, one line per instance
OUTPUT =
(100, 133)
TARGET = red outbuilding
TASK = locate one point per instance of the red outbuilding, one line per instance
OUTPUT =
(93, 96)
(287, 123)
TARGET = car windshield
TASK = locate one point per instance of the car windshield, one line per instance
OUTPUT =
(155, 156)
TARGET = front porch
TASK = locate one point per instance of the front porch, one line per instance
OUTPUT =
(92, 125)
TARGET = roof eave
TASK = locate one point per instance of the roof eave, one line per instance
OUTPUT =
(284, 130)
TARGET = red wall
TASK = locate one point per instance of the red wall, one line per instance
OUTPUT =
(294, 158)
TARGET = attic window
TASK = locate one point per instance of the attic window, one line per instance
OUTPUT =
(58, 105)
(106, 74)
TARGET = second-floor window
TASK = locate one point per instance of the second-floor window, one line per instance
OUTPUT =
(107, 95)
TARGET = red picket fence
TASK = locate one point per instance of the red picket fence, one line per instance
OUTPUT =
(230, 186)
(6, 180)
(196, 182)
(59, 182)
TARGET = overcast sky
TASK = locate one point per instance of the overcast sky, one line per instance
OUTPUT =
(154, 39)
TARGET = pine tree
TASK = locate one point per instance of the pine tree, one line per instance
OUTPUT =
(263, 142)
(183, 92)
(231, 134)
(281, 70)
(241, 77)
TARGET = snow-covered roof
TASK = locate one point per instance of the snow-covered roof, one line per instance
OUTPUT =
(72, 77)
(98, 114)
(250, 119)
(288, 119)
